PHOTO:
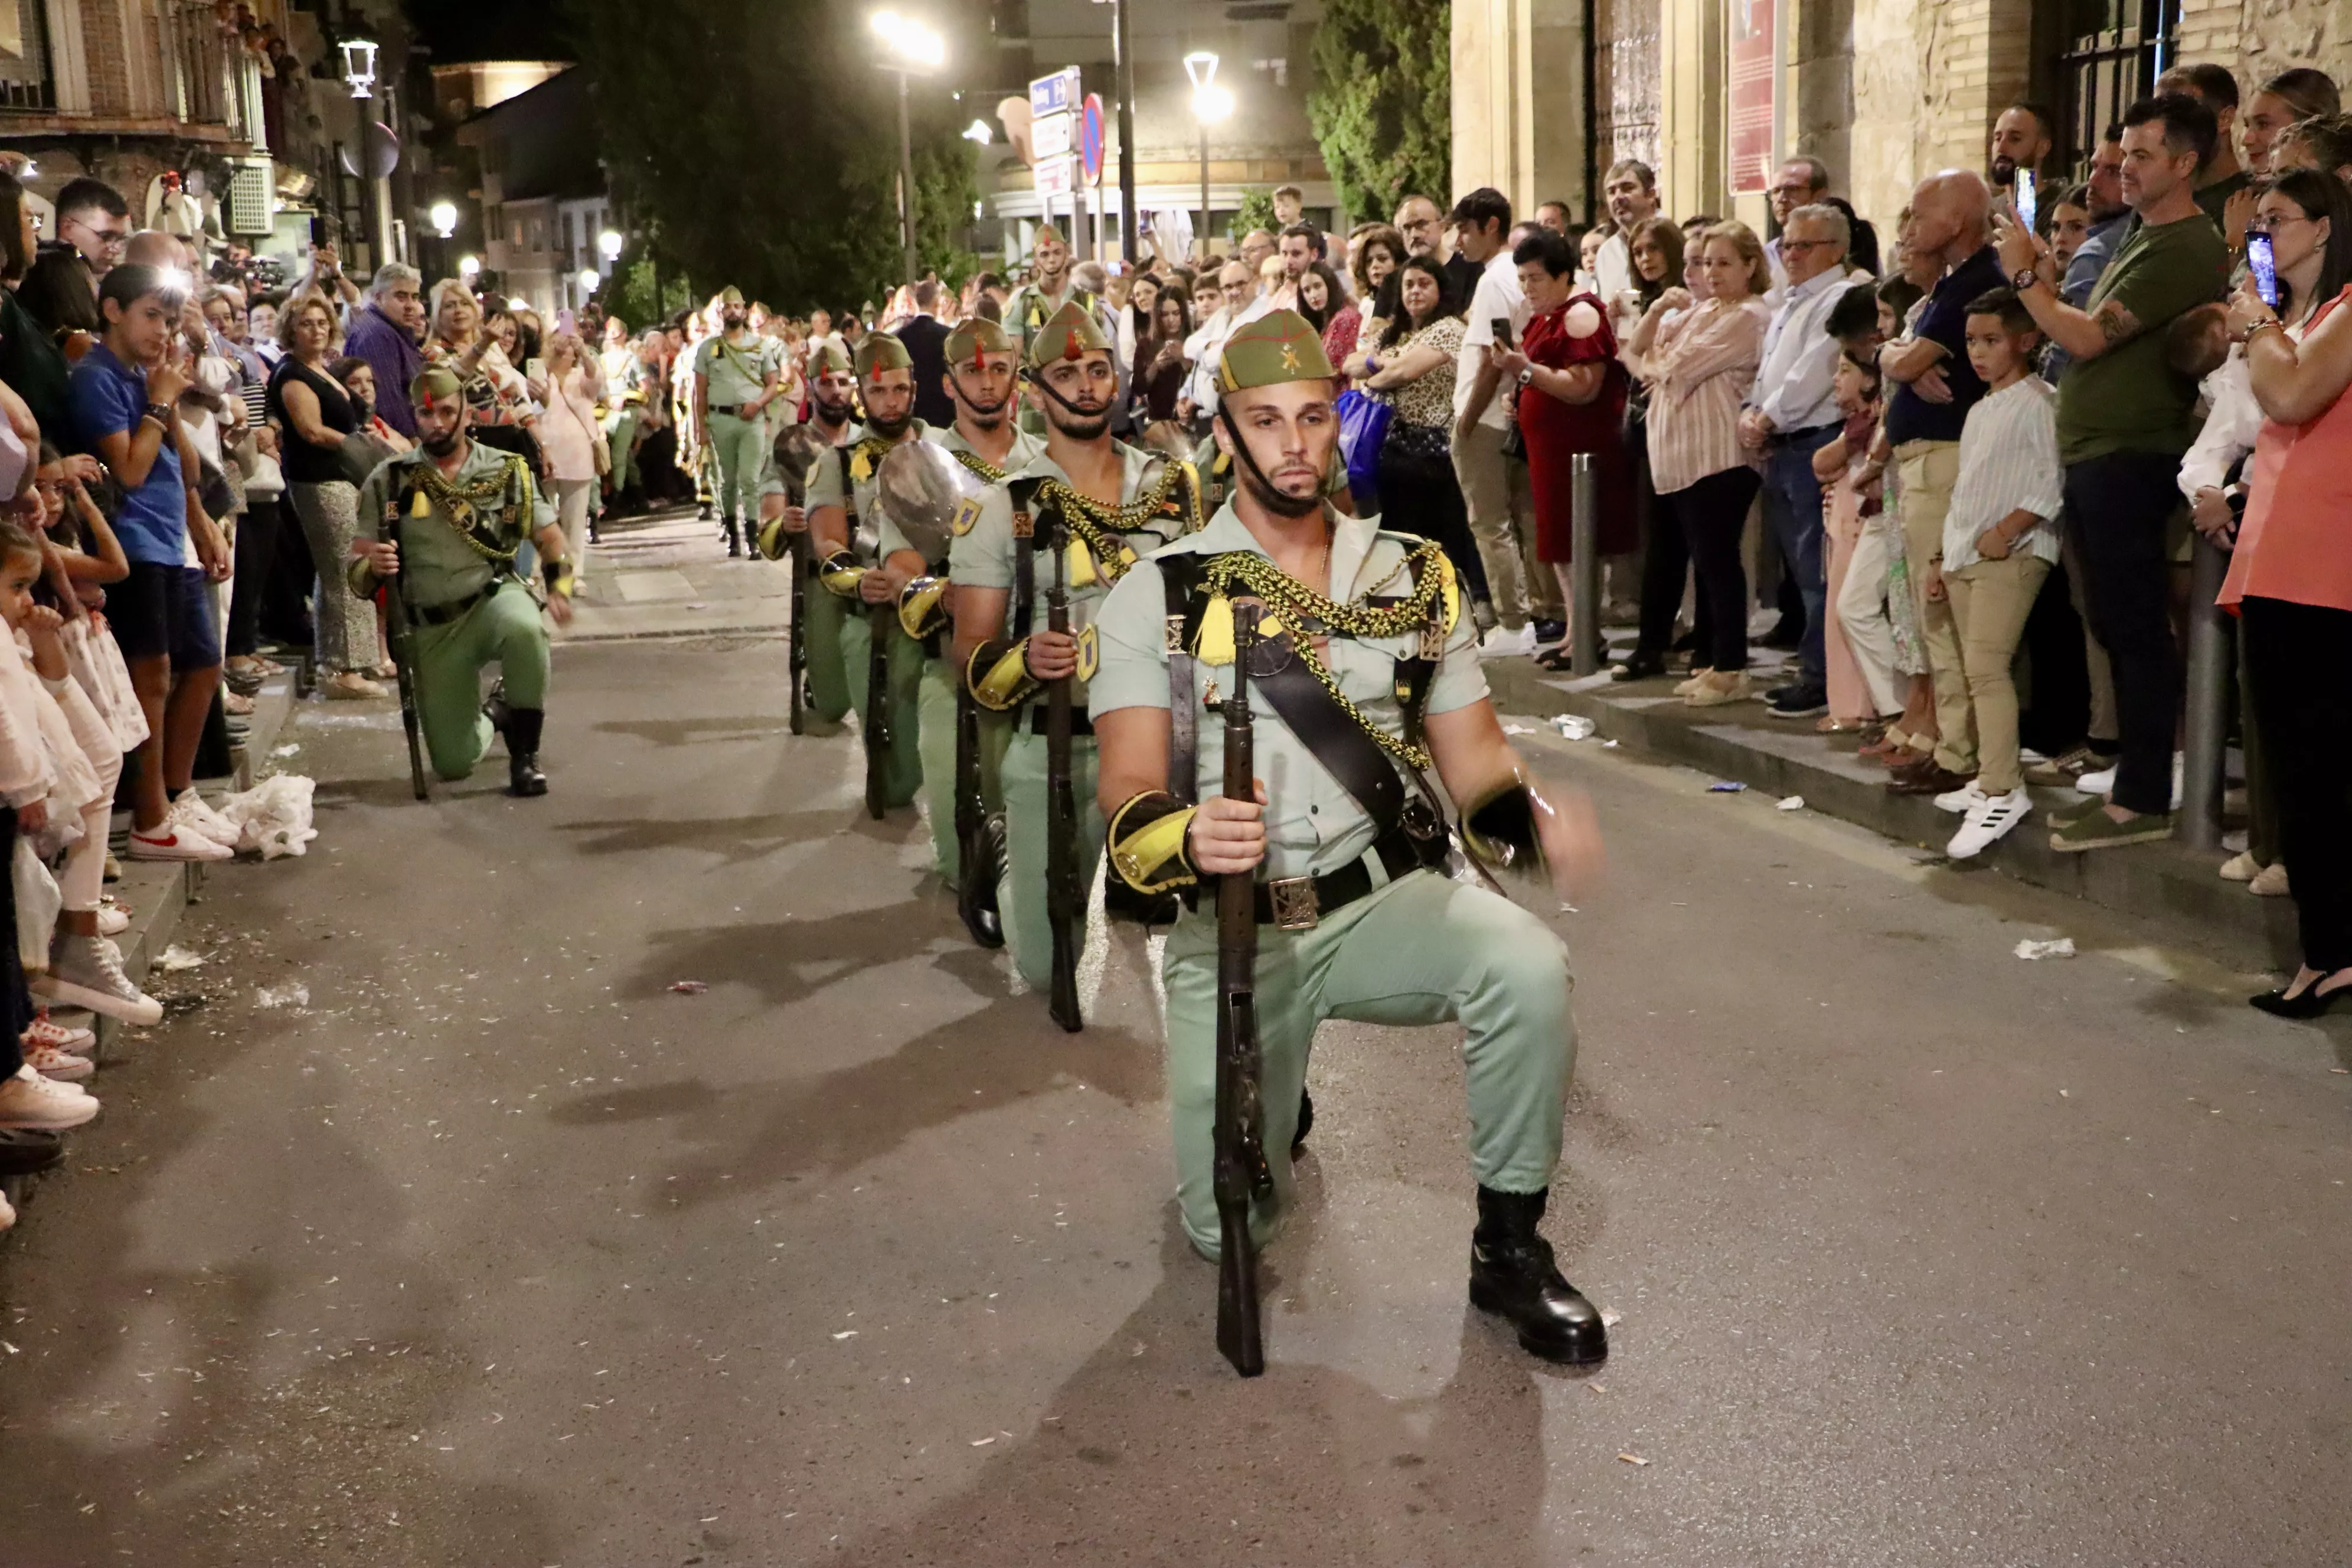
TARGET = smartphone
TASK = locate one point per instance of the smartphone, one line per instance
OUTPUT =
(319, 230)
(2263, 264)
(535, 368)
(1502, 329)
(2025, 203)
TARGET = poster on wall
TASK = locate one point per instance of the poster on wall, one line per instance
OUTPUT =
(1755, 84)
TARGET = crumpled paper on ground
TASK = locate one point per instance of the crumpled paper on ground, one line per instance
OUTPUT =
(1573, 726)
(2062, 948)
(273, 818)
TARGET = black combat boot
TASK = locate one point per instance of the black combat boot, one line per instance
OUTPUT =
(702, 512)
(976, 899)
(522, 729)
(495, 709)
(734, 538)
(1512, 1275)
(1305, 1122)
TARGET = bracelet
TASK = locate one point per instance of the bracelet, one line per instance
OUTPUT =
(2258, 326)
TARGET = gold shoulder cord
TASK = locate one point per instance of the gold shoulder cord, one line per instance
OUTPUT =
(980, 465)
(1098, 525)
(463, 504)
(1295, 604)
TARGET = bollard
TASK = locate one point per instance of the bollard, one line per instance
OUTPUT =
(1584, 555)
(2207, 728)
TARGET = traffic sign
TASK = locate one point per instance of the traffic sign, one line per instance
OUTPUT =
(1056, 176)
(1055, 94)
(1050, 135)
(1090, 138)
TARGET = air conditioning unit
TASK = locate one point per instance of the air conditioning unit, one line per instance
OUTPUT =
(250, 205)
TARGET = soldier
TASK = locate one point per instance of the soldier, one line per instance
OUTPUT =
(1048, 288)
(1369, 678)
(1115, 502)
(736, 374)
(449, 518)
(833, 416)
(845, 523)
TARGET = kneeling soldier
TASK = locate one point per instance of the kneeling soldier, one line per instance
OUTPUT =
(832, 420)
(448, 518)
(1366, 676)
(1109, 502)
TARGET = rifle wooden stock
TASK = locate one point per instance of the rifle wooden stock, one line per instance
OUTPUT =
(400, 637)
(882, 623)
(1239, 1171)
(1066, 901)
(796, 552)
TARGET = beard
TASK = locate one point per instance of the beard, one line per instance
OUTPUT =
(830, 412)
(1277, 502)
(982, 419)
(442, 446)
(888, 430)
(730, 320)
(1080, 421)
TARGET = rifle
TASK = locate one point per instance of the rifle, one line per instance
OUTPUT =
(883, 624)
(1065, 901)
(1240, 1171)
(976, 894)
(400, 637)
(796, 552)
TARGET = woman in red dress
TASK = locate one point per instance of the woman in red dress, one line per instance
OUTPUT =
(1571, 399)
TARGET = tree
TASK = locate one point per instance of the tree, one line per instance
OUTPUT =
(757, 145)
(1382, 105)
(1256, 211)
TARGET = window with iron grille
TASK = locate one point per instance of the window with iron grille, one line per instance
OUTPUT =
(2110, 54)
(24, 56)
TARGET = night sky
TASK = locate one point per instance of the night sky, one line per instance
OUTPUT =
(490, 29)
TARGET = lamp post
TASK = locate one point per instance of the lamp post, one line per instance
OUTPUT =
(1210, 105)
(359, 73)
(908, 48)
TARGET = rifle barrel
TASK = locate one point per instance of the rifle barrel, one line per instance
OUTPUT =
(1238, 1134)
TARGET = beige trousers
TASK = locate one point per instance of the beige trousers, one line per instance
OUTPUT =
(1929, 470)
(1989, 602)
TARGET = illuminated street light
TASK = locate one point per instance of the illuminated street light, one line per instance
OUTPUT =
(908, 48)
(1212, 105)
(589, 278)
(445, 218)
(978, 131)
(608, 245)
(359, 65)
(469, 267)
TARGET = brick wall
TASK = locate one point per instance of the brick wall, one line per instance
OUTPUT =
(2259, 38)
(109, 79)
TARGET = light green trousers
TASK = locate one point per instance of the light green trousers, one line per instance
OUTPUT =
(503, 629)
(741, 447)
(939, 747)
(902, 769)
(823, 642)
(1423, 950)
(1021, 892)
(620, 437)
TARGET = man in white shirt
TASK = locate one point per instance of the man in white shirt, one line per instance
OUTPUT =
(1632, 192)
(1791, 413)
(1243, 302)
(1495, 487)
(1801, 181)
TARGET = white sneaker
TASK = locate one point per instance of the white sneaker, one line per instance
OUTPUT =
(1501, 644)
(113, 919)
(1961, 799)
(1988, 820)
(47, 1031)
(59, 1085)
(84, 972)
(2270, 883)
(51, 1062)
(28, 1099)
(7, 1215)
(2179, 777)
(167, 841)
(190, 811)
(2100, 783)
(2241, 868)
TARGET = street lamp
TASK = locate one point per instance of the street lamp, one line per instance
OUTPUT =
(445, 218)
(908, 48)
(469, 268)
(359, 65)
(978, 132)
(608, 246)
(359, 73)
(1212, 105)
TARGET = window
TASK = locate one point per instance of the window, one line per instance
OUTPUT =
(2110, 56)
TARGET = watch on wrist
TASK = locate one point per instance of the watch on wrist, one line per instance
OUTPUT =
(1527, 376)
(160, 413)
(2025, 279)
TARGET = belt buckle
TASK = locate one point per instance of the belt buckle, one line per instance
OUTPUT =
(1294, 904)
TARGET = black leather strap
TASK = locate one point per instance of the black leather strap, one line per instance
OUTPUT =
(1080, 724)
(1024, 556)
(1177, 574)
(1337, 742)
(1399, 855)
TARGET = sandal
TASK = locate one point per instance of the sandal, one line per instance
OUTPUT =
(1558, 658)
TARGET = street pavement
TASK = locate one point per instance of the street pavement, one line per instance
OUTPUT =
(655, 1175)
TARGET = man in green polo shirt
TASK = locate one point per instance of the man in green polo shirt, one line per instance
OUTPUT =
(736, 375)
(2124, 417)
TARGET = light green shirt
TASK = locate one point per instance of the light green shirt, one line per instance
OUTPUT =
(1314, 826)
(983, 556)
(438, 566)
(825, 489)
(737, 372)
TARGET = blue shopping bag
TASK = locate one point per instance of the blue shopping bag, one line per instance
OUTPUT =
(1363, 425)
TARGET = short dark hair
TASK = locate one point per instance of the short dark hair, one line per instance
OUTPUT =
(1900, 293)
(1564, 208)
(2005, 304)
(343, 369)
(1855, 312)
(128, 284)
(988, 281)
(83, 193)
(2042, 118)
(2306, 91)
(927, 293)
(1700, 220)
(1635, 167)
(1308, 232)
(2212, 83)
(1554, 250)
(987, 309)
(2188, 125)
(2073, 196)
(1482, 206)
(1291, 191)
(1817, 173)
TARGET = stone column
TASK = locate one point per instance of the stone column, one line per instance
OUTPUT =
(1524, 138)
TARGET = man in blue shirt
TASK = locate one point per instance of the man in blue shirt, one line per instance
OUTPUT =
(124, 396)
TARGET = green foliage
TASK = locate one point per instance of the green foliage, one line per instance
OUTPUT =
(757, 145)
(1256, 211)
(1382, 105)
(629, 294)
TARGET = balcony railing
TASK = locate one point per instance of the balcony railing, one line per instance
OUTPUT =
(24, 82)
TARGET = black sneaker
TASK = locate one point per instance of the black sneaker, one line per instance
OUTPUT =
(1551, 631)
(1797, 702)
(1784, 636)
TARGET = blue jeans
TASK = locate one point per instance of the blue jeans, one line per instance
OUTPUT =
(1792, 508)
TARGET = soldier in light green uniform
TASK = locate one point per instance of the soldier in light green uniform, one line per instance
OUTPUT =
(736, 374)
(1116, 502)
(844, 524)
(1369, 680)
(982, 374)
(832, 397)
(449, 517)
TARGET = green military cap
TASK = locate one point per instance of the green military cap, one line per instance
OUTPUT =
(976, 337)
(730, 295)
(1279, 346)
(433, 383)
(827, 358)
(1068, 333)
(880, 352)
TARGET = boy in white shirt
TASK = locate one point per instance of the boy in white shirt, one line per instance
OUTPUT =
(1999, 540)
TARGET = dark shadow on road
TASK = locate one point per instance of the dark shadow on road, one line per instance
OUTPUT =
(694, 731)
(733, 838)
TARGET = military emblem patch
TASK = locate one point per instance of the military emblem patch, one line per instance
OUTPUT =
(1089, 653)
(967, 516)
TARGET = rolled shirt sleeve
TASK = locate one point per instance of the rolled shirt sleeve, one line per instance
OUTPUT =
(1130, 632)
(982, 557)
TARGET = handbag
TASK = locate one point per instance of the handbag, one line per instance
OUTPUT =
(1364, 420)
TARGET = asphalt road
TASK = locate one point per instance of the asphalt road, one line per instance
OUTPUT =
(499, 1250)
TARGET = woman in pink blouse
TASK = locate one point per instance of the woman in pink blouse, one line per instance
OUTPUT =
(1701, 363)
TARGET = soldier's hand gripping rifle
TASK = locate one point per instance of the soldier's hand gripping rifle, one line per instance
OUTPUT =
(1065, 898)
(400, 637)
(1240, 1171)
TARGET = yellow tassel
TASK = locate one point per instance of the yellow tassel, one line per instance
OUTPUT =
(1081, 565)
(1215, 646)
(422, 506)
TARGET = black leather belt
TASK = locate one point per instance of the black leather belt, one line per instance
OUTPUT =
(1786, 436)
(734, 410)
(441, 615)
(1299, 903)
(1079, 724)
